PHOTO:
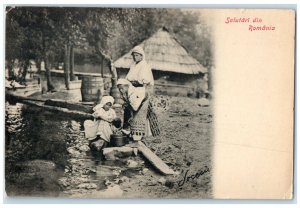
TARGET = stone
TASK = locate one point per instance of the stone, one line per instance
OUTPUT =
(63, 182)
(169, 184)
(151, 184)
(113, 153)
(92, 170)
(124, 179)
(116, 172)
(135, 151)
(117, 180)
(203, 102)
(97, 145)
(107, 182)
(72, 151)
(162, 181)
(84, 148)
(112, 191)
(145, 170)
(132, 164)
(87, 186)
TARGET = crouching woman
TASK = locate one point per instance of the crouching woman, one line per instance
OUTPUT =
(107, 122)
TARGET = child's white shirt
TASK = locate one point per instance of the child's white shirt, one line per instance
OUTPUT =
(108, 116)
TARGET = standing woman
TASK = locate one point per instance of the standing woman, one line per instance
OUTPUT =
(140, 73)
(143, 122)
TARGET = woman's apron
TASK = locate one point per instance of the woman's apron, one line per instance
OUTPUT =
(144, 121)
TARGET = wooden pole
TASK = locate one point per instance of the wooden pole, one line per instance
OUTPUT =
(67, 66)
(72, 76)
(102, 70)
(50, 86)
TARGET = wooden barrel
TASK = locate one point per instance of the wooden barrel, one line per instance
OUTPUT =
(92, 88)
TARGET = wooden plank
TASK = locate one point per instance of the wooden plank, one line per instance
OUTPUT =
(155, 160)
(62, 111)
(19, 98)
(69, 105)
(77, 110)
(173, 85)
(27, 91)
(60, 72)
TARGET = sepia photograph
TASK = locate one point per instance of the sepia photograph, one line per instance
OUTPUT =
(107, 102)
(148, 102)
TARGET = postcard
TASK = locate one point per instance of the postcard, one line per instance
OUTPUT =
(156, 103)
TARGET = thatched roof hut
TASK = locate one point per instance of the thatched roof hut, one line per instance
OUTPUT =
(164, 53)
(175, 71)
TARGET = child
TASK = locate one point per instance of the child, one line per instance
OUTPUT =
(105, 116)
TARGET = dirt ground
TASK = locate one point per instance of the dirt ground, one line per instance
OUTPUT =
(185, 145)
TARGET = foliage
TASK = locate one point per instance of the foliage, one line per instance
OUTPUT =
(42, 32)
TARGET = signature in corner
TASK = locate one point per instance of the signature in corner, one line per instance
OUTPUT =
(191, 177)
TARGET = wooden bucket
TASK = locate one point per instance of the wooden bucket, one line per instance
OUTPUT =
(92, 89)
(73, 85)
(118, 140)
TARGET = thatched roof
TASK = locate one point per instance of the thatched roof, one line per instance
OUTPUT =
(164, 53)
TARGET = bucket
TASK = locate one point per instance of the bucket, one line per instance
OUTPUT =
(90, 129)
(118, 140)
(92, 89)
(73, 85)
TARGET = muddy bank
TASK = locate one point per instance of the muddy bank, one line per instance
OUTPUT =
(185, 145)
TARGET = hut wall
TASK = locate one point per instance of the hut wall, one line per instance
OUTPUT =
(176, 84)
(175, 78)
(58, 80)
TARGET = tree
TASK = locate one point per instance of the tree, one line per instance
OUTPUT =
(33, 29)
(51, 33)
(41, 34)
(115, 31)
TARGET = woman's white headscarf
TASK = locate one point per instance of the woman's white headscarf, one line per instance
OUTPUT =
(139, 50)
(141, 71)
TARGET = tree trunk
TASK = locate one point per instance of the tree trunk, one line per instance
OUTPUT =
(72, 76)
(102, 63)
(10, 66)
(24, 69)
(67, 66)
(114, 75)
(38, 65)
(50, 85)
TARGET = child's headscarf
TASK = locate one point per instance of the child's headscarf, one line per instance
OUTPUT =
(104, 100)
(107, 99)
